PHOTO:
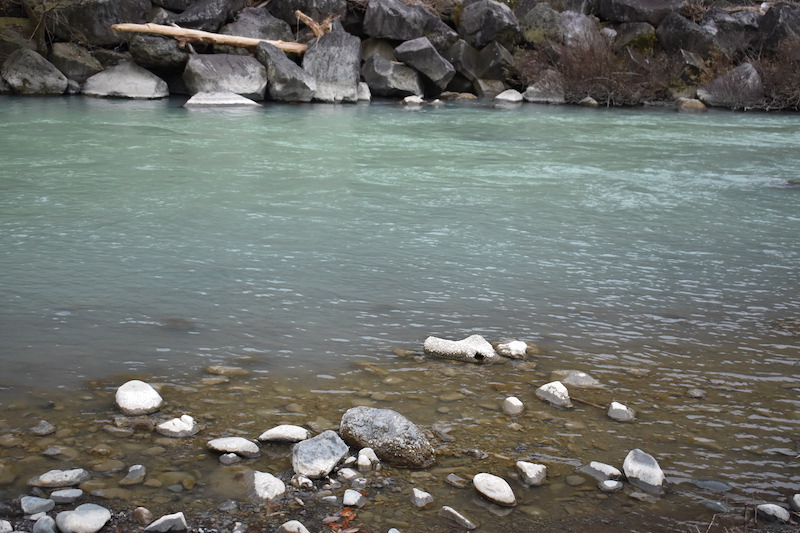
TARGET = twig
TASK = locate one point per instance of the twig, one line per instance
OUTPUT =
(588, 403)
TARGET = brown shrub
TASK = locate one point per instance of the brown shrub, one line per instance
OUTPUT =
(780, 75)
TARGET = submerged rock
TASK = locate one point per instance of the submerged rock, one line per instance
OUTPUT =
(621, 413)
(473, 349)
(392, 436)
(643, 470)
(601, 471)
(458, 518)
(420, 498)
(318, 456)
(138, 398)
(60, 478)
(574, 378)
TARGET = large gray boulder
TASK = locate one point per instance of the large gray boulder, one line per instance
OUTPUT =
(740, 88)
(318, 456)
(90, 20)
(27, 72)
(243, 75)
(390, 78)
(580, 31)
(396, 20)
(640, 36)
(495, 61)
(257, 23)
(779, 25)
(316, 9)
(158, 52)
(209, 15)
(677, 32)
(466, 59)
(393, 437)
(287, 81)
(733, 32)
(334, 60)
(129, 80)
(548, 89)
(542, 24)
(421, 55)
(484, 21)
(74, 61)
(651, 11)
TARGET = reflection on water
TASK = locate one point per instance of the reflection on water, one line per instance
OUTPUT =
(654, 250)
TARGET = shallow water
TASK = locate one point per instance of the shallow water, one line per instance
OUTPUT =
(656, 251)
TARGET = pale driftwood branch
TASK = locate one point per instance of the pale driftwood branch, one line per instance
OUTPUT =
(198, 36)
(312, 25)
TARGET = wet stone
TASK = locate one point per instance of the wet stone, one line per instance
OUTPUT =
(773, 512)
(601, 471)
(66, 495)
(138, 398)
(237, 445)
(512, 406)
(266, 487)
(794, 503)
(32, 505)
(317, 457)
(420, 498)
(285, 433)
(292, 526)
(185, 426)
(495, 489)
(451, 514)
(43, 428)
(60, 478)
(108, 466)
(574, 480)
(229, 459)
(170, 522)
(555, 393)
(621, 413)
(643, 470)
(353, 498)
(223, 370)
(135, 475)
(610, 485)
(61, 453)
(456, 481)
(86, 518)
(697, 394)
(532, 474)
(574, 378)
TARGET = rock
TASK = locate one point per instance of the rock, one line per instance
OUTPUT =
(60, 478)
(364, 94)
(66, 495)
(292, 526)
(413, 101)
(27, 72)
(229, 459)
(643, 471)
(32, 505)
(650, 11)
(86, 518)
(242, 75)
(779, 25)
(225, 370)
(45, 524)
(316, 9)
(285, 433)
(43, 428)
(574, 378)
(495, 488)
(580, 31)
(288, 82)
(509, 95)
(267, 487)
(734, 33)
(775, 513)
(465, 59)
(368, 460)
(485, 21)
(621, 413)
(422, 56)
(256, 23)
(679, 33)
(392, 436)
(74, 61)
(420, 498)
(5, 526)
(451, 514)
(697, 394)
(353, 498)
(495, 62)
(158, 52)
(555, 393)
(512, 349)
(542, 23)
(398, 21)
(208, 15)
(128, 80)
(473, 349)
(456, 481)
(143, 515)
(135, 397)
(610, 485)
(532, 474)
(794, 503)
(135, 475)
(588, 101)
(512, 406)
(390, 78)
(548, 89)
(347, 474)
(220, 99)
(90, 21)
(316, 457)
(170, 522)
(640, 36)
(301, 482)
(334, 60)
(738, 88)
(185, 426)
(601, 471)
(689, 105)
(238, 445)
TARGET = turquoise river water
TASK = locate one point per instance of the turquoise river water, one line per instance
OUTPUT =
(657, 251)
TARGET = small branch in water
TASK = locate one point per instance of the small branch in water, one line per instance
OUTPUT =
(587, 403)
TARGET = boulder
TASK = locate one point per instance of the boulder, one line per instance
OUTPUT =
(238, 445)
(548, 89)
(256, 23)
(390, 78)
(60, 478)
(581, 31)
(208, 15)
(531, 474)
(266, 487)
(86, 518)
(773, 513)
(738, 88)
(221, 99)
(733, 32)
(27, 72)
(169, 522)
(287, 81)
(484, 21)
(210, 73)
(621, 413)
(542, 24)
(466, 59)
(134, 397)
(488, 89)
(640, 36)
(316, 9)
(392, 436)
(398, 21)
(90, 21)
(643, 471)
(451, 514)
(15, 33)
(779, 25)
(473, 349)
(158, 52)
(129, 80)
(650, 11)
(495, 62)
(74, 61)
(334, 60)
(285, 433)
(421, 55)
(554, 392)
(677, 32)
(318, 456)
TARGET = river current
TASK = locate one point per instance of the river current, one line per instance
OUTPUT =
(655, 250)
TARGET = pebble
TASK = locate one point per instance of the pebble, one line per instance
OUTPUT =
(293, 526)
(185, 426)
(61, 453)
(86, 518)
(32, 505)
(285, 433)
(170, 522)
(43, 428)
(138, 398)
(135, 475)
(368, 460)
(420, 498)
(353, 498)
(610, 485)
(66, 495)
(266, 486)
(601, 471)
(532, 474)
(554, 392)
(512, 406)
(143, 515)
(494, 488)
(574, 480)
(237, 445)
(228, 459)
(458, 518)
(60, 478)
(621, 413)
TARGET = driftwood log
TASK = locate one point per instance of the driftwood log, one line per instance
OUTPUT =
(197, 36)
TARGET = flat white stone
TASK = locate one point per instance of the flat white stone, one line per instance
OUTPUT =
(554, 392)
(509, 95)
(353, 498)
(495, 489)
(185, 426)
(237, 445)
(293, 526)
(514, 349)
(458, 518)
(773, 512)
(138, 398)
(642, 468)
(621, 413)
(86, 518)
(601, 471)
(285, 433)
(512, 406)
(219, 99)
(267, 487)
(169, 522)
(60, 478)
(66, 495)
(413, 100)
(420, 498)
(532, 474)
(32, 505)
(610, 485)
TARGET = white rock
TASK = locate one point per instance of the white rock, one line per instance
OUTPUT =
(621, 413)
(473, 349)
(347, 474)
(170, 522)
(794, 503)
(267, 487)
(237, 445)
(458, 518)
(66, 495)
(368, 460)
(353, 498)
(285, 433)
(610, 485)
(293, 526)
(513, 349)
(301, 482)
(413, 100)
(5, 526)
(135, 475)
(86, 518)
(531, 473)
(510, 95)
(773, 512)
(495, 489)
(554, 392)
(643, 470)
(512, 406)
(32, 505)
(185, 426)
(60, 478)
(601, 471)
(219, 99)
(138, 398)
(364, 94)
(420, 498)
(45, 524)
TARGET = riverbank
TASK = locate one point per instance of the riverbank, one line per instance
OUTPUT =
(597, 53)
